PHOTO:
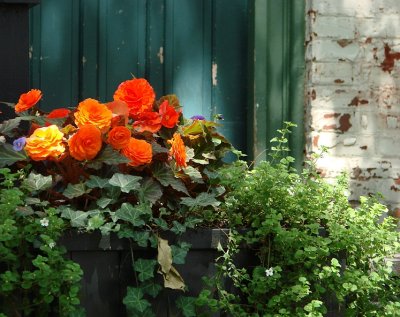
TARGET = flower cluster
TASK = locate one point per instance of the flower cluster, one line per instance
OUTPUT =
(135, 134)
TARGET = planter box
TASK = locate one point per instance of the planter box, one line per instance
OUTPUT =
(108, 272)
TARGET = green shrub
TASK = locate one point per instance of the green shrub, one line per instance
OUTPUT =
(311, 244)
(35, 278)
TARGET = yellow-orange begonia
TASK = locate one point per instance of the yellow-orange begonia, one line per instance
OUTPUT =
(45, 143)
(90, 111)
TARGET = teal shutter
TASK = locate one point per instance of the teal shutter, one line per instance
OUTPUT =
(196, 49)
(277, 68)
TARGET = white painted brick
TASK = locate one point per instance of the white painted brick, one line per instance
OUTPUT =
(384, 26)
(388, 147)
(351, 8)
(335, 27)
(327, 50)
(332, 73)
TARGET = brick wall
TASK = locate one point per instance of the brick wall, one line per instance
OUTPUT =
(353, 92)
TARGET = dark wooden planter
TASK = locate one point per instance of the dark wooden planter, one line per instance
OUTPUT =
(108, 272)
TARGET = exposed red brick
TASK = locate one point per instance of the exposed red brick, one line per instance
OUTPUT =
(339, 81)
(330, 127)
(368, 40)
(357, 101)
(331, 115)
(388, 63)
(315, 140)
(344, 122)
(394, 188)
(397, 181)
(344, 42)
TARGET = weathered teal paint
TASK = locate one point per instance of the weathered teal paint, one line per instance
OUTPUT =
(83, 49)
(200, 50)
(277, 84)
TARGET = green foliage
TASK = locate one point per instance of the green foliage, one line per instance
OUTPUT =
(35, 277)
(311, 244)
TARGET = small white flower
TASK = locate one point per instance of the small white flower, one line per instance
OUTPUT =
(52, 244)
(269, 272)
(44, 222)
(2, 139)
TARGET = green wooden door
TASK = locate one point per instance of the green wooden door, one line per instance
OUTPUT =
(196, 49)
(241, 58)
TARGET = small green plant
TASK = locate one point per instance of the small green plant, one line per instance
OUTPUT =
(312, 246)
(35, 277)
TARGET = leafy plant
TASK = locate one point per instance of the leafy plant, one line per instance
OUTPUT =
(312, 246)
(35, 277)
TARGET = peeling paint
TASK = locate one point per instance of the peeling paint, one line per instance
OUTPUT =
(357, 101)
(84, 60)
(30, 52)
(214, 74)
(344, 42)
(364, 147)
(344, 122)
(339, 81)
(160, 55)
(388, 63)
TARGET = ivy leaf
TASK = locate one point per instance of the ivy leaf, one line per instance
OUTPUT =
(167, 178)
(125, 182)
(78, 218)
(8, 156)
(141, 238)
(150, 190)
(110, 157)
(191, 222)
(75, 190)
(36, 182)
(103, 202)
(134, 300)
(161, 223)
(178, 228)
(133, 214)
(8, 126)
(179, 252)
(145, 268)
(194, 174)
(152, 289)
(97, 182)
(202, 200)
(187, 305)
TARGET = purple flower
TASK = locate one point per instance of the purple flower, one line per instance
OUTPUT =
(19, 144)
(198, 117)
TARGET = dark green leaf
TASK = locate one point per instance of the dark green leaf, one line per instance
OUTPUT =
(110, 157)
(187, 305)
(134, 214)
(178, 228)
(75, 190)
(36, 182)
(145, 268)
(179, 252)
(202, 200)
(150, 190)
(194, 174)
(161, 223)
(97, 182)
(134, 300)
(78, 218)
(103, 202)
(191, 222)
(125, 182)
(152, 289)
(166, 177)
(8, 126)
(141, 238)
(8, 156)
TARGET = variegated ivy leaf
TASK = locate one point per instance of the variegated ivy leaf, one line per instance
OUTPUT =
(125, 182)
(103, 202)
(76, 190)
(97, 182)
(36, 182)
(78, 218)
(202, 200)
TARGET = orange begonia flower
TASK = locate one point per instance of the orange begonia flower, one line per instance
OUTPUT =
(138, 94)
(138, 151)
(148, 121)
(177, 150)
(45, 143)
(169, 116)
(28, 100)
(119, 137)
(90, 111)
(86, 143)
(58, 113)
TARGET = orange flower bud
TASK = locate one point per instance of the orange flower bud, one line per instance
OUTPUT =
(178, 150)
